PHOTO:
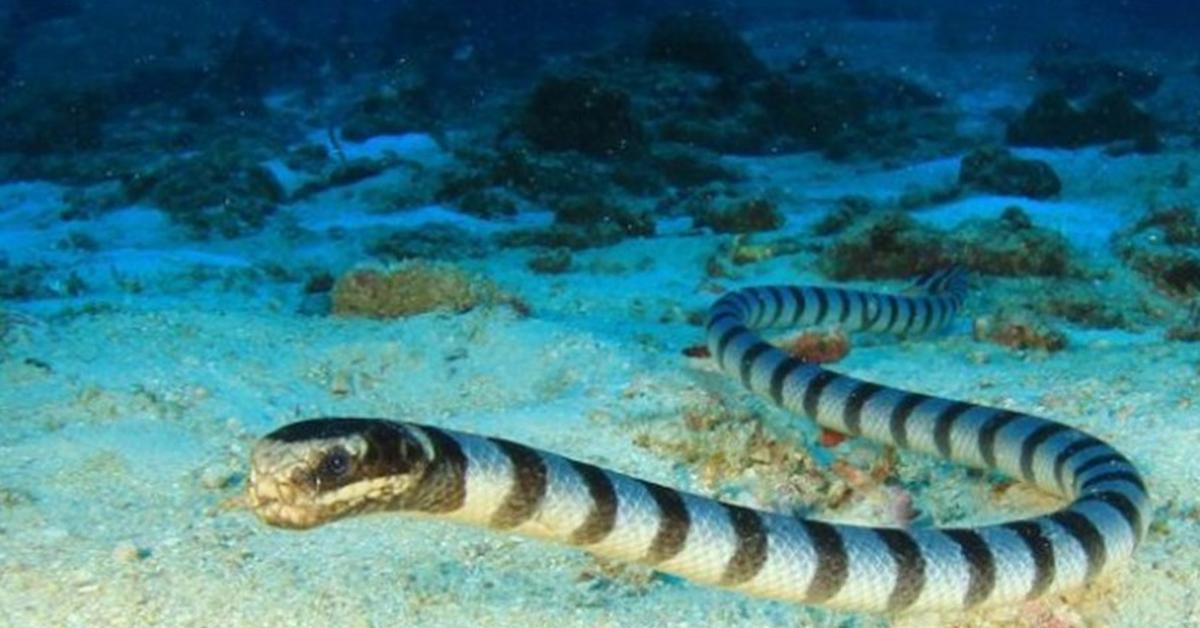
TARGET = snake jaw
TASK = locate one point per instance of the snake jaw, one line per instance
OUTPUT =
(351, 466)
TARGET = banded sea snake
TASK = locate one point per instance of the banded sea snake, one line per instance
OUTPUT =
(315, 471)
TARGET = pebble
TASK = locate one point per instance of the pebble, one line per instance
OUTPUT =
(217, 476)
(127, 552)
(340, 386)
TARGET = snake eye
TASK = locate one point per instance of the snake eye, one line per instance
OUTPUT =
(334, 465)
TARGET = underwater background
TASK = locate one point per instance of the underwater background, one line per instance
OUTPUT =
(510, 218)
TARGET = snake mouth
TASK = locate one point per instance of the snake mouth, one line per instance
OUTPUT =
(275, 503)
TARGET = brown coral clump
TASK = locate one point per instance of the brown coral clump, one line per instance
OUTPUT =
(411, 288)
(1019, 330)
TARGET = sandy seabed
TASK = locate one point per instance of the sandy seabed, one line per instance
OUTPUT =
(128, 419)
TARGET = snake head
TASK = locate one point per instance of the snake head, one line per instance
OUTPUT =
(312, 472)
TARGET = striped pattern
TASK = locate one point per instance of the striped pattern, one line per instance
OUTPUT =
(504, 485)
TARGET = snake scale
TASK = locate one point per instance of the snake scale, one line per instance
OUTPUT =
(315, 471)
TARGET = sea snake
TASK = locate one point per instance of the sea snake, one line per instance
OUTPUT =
(315, 471)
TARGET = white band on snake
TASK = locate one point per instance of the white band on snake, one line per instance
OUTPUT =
(312, 472)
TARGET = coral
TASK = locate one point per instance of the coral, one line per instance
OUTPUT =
(257, 58)
(491, 202)
(1164, 246)
(744, 216)
(997, 170)
(1187, 330)
(1179, 225)
(244, 70)
(703, 42)
(815, 107)
(433, 241)
(411, 288)
(1051, 120)
(845, 211)
(1010, 246)
(43, 120)
(319, 283)
(893, 245)
(744, 131)
(1019, 329)
(885, 245)
(919, 196)
(388, 112)
(1085, 307)
(597, 212)
(685, 166)
(22, 281)
(581, 113)
(552, 262)
(821, 104)
(584, 221)
(538, 176)
(222, 190)
(309, 157)
(1066, 66)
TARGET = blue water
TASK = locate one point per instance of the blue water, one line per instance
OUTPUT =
(194, 195)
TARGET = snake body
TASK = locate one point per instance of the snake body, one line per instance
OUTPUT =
(316, 471)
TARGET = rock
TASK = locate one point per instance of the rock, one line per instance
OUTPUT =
(703, 42)
(128, 552)
(997, 170)
(583, 114)
(1051, 120)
